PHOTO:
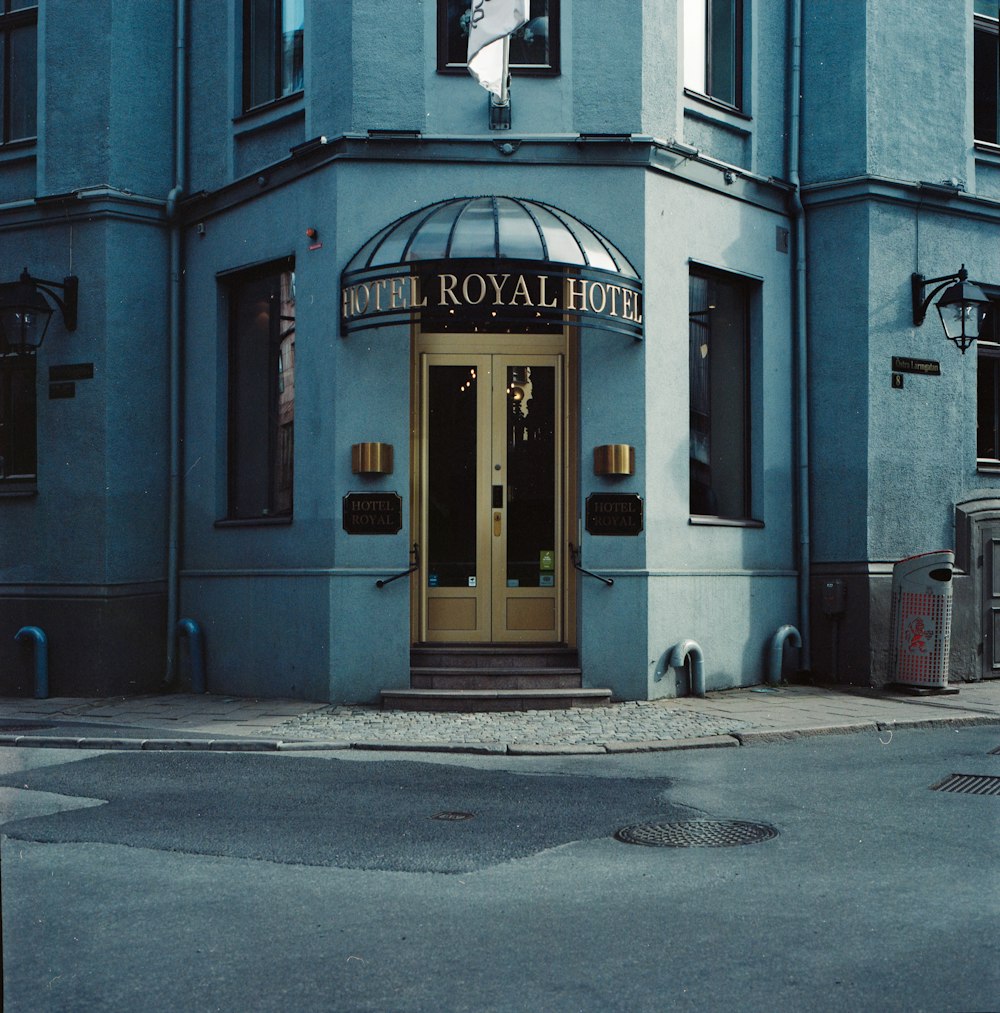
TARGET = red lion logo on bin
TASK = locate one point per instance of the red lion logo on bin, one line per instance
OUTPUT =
(920, 633)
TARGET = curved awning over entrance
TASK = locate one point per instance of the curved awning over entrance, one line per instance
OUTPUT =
(487, 263)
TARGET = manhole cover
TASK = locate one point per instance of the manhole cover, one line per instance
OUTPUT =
(453, 816)
(969, 784)
(697, 834)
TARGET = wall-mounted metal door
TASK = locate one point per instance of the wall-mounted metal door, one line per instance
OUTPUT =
(490, 497)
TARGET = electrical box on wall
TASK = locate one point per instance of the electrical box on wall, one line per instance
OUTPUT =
(834, 597)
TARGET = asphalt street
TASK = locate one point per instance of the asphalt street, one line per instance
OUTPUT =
(353, 881)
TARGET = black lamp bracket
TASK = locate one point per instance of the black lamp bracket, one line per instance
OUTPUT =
(67, 303)
(919, 283)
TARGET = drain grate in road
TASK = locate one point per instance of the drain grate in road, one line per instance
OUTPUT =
(697, 834)
(453, 816)
(969, 784)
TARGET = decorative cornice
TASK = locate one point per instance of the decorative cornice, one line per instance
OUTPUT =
(945, 198)
(624, 151)
(84, 204)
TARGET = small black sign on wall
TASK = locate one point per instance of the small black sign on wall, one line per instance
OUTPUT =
(373, 513)
(614, 513)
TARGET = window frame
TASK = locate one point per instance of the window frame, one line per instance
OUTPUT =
(988, 351)
(455, 67)
(707, 94)
(237, 462)
(25, 481)
(11, 21)
(984, 24)
(276, 54)
(748, 289)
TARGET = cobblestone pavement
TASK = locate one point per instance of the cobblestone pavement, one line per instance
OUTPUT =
(626, 722)
(727, 718)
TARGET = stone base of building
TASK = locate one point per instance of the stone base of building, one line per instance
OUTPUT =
(99, 644)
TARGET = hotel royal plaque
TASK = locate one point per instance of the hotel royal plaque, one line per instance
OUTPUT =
(373, 513)
(611, 513)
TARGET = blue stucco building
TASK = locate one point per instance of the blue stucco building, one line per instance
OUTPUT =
(336, 323)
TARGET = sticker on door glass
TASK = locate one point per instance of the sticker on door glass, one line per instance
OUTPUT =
(432, 580)
(547, 559)
(546, 580)
(472, 582)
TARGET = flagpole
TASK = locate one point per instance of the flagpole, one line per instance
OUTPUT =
(505, 76)
(500, 107)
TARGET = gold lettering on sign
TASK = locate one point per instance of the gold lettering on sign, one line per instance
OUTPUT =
(498, 288)
(467, 295)
(572, 293)
(521, 289)
(401, 293)
(448, 283)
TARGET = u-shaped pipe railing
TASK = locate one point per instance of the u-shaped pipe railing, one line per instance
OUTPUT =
(196, 653)
(680, 654)
(37, 634)
(781, 636)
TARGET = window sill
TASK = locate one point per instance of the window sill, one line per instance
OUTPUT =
(14, 151)
(987, 153)
(254, 522)
(18, 488)
(987, 466)
(700, 520)
(717, 104)
(269, 112)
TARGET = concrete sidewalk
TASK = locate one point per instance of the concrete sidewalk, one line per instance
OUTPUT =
(730, 718)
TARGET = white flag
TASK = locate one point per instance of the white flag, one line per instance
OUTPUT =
(490, 21)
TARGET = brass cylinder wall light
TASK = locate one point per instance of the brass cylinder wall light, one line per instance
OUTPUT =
(614, 459)
(371, 458)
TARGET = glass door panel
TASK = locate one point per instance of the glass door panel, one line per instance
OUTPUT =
(452, 393)
(531, 476)
(490, 503)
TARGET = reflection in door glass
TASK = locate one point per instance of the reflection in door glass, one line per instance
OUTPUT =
(531, 476)
(451, 482)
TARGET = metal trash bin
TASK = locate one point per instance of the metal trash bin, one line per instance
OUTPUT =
(921, 619)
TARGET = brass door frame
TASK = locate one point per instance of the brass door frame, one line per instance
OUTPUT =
(465, 348)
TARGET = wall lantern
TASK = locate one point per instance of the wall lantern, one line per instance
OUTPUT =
(614, 459)
(371, 458)
(962, 307)
(25, 312)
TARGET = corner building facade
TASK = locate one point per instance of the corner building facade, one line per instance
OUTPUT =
(359, 375)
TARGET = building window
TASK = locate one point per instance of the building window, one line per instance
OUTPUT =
(17, 418)
(534, 48)
(18, 70)
(713, 49)
(718, 324)
(988, 389)
(262, 392)
(986, 86)
(272, 50)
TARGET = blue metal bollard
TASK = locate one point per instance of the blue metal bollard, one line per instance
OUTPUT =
(41, 658)
(680, 654)
(196, 654)
(781, 636)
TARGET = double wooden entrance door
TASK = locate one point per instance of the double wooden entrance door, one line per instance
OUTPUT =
(490, 493)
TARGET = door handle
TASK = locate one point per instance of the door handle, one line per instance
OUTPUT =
(497, 523)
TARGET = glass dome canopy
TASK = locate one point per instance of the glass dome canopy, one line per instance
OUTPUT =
(491, 228)
(491, 263)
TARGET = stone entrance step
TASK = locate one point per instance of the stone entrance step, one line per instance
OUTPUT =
(483, 700)
(494, 677)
